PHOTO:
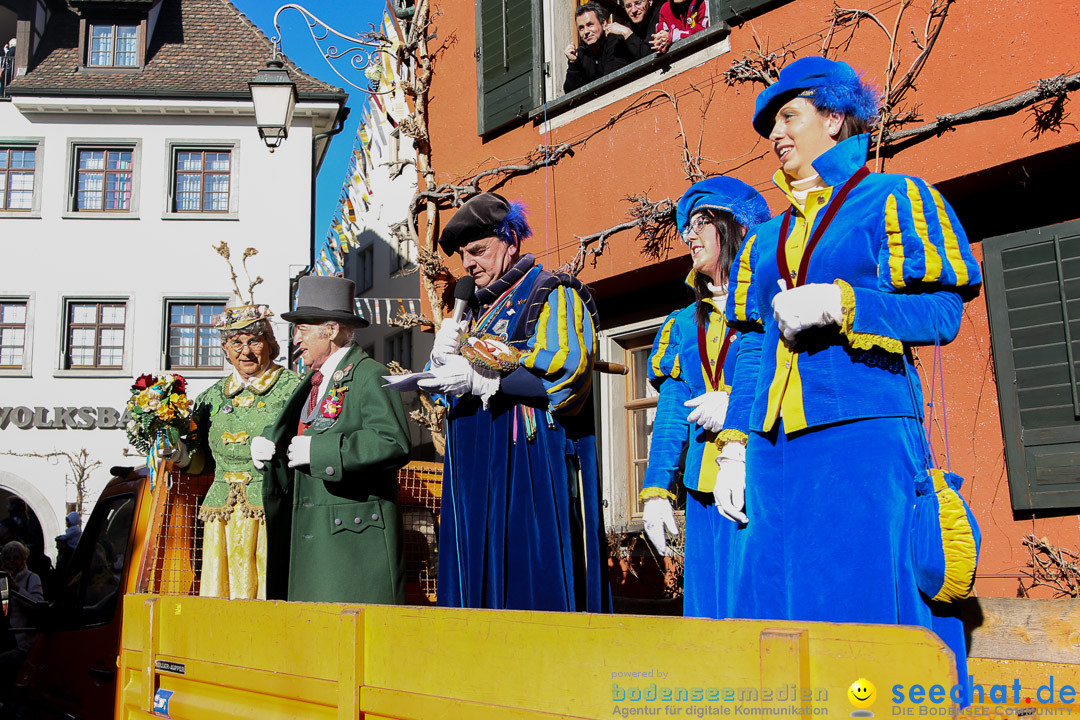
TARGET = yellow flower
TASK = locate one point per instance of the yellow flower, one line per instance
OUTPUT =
(165, 412)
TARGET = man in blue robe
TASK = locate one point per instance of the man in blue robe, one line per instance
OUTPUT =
(521, 525)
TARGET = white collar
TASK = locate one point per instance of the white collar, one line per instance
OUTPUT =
(330, 366)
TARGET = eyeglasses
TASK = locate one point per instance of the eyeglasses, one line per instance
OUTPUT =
(254, 344)
(635, 4)
(694, 227)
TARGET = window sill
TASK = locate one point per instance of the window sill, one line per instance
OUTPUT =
(27, 214)
(683, 55)
(15, 372)
(110, 69)
(93, 215)
(92, 373)
(200, 216)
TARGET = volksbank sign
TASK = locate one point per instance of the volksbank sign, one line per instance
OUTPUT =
(63, 418)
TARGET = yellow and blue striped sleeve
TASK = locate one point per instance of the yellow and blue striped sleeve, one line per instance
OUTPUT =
(925, 270)
(561, 350)
(664, 358)
(924, 242)
(741, 305)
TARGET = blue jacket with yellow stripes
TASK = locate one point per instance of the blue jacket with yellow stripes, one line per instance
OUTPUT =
(675, 371)
(904, 267)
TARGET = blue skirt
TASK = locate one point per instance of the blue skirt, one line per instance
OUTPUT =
(709, 536)
(830, 514)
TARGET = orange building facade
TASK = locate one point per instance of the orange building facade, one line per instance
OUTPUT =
(1012, 391)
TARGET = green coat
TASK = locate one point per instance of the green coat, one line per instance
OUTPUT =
(334, 529)
(227, 415)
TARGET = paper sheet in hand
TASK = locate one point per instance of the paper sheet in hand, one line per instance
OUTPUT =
(405, 383)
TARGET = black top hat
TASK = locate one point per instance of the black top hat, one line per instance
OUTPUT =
(322, 298)
(478, 218)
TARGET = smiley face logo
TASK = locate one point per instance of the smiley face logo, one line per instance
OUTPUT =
(862, 693)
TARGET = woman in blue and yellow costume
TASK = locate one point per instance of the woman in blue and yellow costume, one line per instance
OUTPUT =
(228, 415)
(692, 360)
(833, 294)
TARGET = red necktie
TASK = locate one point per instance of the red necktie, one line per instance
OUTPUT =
(313, 397)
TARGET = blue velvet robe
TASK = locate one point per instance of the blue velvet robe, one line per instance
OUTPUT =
(679, 449)
(835, 442)
(521, 525)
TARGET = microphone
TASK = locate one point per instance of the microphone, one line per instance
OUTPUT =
(463, 292)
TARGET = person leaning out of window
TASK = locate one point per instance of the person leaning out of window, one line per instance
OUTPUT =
(680, 19)
(640, 33)
(598, 52)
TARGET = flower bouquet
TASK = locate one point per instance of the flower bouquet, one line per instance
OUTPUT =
(160, 413)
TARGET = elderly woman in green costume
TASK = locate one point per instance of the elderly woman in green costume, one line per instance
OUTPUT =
(228, 415)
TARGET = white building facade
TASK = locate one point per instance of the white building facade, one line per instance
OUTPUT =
(118, 182)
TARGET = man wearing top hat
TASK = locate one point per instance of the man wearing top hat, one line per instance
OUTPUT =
(521, 525)
(331, 459)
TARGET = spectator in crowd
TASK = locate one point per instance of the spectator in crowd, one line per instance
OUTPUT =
(25, 598)
(680, 19)
(330, 489)
(640, 35)
(521, 525)
(598, 53)
(7, 63)
(69, 540)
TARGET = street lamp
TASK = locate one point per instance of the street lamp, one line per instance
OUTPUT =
(274, 94)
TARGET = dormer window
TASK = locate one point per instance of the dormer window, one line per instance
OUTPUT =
(113, 46)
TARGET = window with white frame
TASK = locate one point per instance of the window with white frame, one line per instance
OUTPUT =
(95, 334)
(113, 46)
(402, 254)
(193, 343)
(201, 180)
(627, 412)
(12, 334)
(18, 172)
(104, 179)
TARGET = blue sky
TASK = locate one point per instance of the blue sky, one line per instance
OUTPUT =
(349, 18)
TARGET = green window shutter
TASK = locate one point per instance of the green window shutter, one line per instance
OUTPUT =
(508, 60)
(1033, 294)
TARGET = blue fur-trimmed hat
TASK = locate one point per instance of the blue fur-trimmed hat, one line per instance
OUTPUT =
(723, 193)
(831, 85)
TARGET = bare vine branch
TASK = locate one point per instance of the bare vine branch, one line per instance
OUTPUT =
(1051, 567)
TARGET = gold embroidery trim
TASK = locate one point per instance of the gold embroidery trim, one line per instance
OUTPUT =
(858, 340)
(239, 438)
(237, 477)
(726, 436)
(655, 492)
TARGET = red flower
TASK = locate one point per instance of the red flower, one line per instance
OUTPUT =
(180, 386)
(144, 382)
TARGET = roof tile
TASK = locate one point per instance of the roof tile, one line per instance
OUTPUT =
(198, 46)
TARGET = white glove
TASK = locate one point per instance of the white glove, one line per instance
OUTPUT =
(457, 377)
(807, 306)
(178, 456)
(300, 451)
(262, 450)
(447, 339)
(709, 411)
(658, 515)
(730, 489)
